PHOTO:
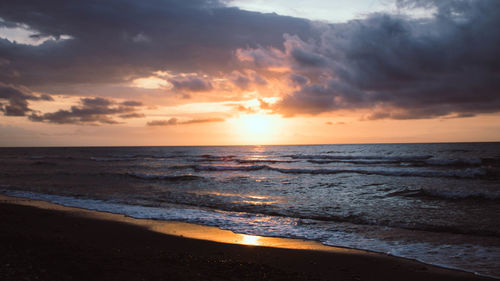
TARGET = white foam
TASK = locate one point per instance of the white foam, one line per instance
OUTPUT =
(396, 171)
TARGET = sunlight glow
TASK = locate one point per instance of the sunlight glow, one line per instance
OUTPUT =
(249, 239)
(256, 128)
(151, 82)
(256, 124)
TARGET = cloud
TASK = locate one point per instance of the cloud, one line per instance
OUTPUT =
(240, 80)
(299, 79)
(120, 40)
(264, 105)
(132, 103)
(246, 79)
(207, 120)
(91, 111)
(191, 83)
(245, 109)
(169, 122)
(132, 115)
(397, 66)
(392, 65)
(17, 100)
(175, 121)
(262, 58)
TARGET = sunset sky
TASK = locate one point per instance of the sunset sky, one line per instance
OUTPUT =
(235, 72)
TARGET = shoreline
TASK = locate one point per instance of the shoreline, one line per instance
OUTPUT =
(280, 258)
(182, 229)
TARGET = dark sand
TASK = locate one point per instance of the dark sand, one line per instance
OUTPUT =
(46, 244)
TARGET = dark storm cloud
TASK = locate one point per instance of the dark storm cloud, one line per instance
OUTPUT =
(175, 121)
(306, 58)
(410, 68)
(91, 111)
(116, 40)
(394, 65)
(299, 79)
(17, 100)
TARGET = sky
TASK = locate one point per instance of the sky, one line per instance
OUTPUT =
(248, 72)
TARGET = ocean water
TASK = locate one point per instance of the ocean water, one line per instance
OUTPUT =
(436, 203)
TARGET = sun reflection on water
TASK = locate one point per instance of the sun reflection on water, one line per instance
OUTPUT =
(249, 239)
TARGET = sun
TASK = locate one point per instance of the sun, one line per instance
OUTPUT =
(256, 128)
(256, 124)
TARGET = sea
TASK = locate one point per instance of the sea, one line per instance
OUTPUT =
(438, 203)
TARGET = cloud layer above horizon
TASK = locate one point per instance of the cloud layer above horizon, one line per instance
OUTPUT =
(394, 66)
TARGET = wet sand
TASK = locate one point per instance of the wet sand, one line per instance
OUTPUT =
(43, 241)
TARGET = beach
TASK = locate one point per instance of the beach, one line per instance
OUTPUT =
(43, 241)
(433, 203)
(250, 140)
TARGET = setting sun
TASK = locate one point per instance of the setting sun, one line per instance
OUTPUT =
(256, 128)
(257, 124)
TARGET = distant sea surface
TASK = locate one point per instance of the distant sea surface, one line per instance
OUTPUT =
(436, 203)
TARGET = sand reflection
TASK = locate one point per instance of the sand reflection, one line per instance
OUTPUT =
(249, 240)
(183, 229)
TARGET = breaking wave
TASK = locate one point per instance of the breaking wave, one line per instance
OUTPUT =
(461, 173)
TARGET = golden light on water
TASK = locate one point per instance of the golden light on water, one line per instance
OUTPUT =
(249, 239)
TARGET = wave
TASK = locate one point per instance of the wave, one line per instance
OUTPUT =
(360, 157)
(111, 159)
(51, 157)
(232, 158)
(299, 219)
(447, 194)
(361, 161)
(453, 162)
(474, 257)
(270, 161)
(210, 158)
(417, 162)
(165, 177)
(464, 173)
(230, 168)
(461, 173)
